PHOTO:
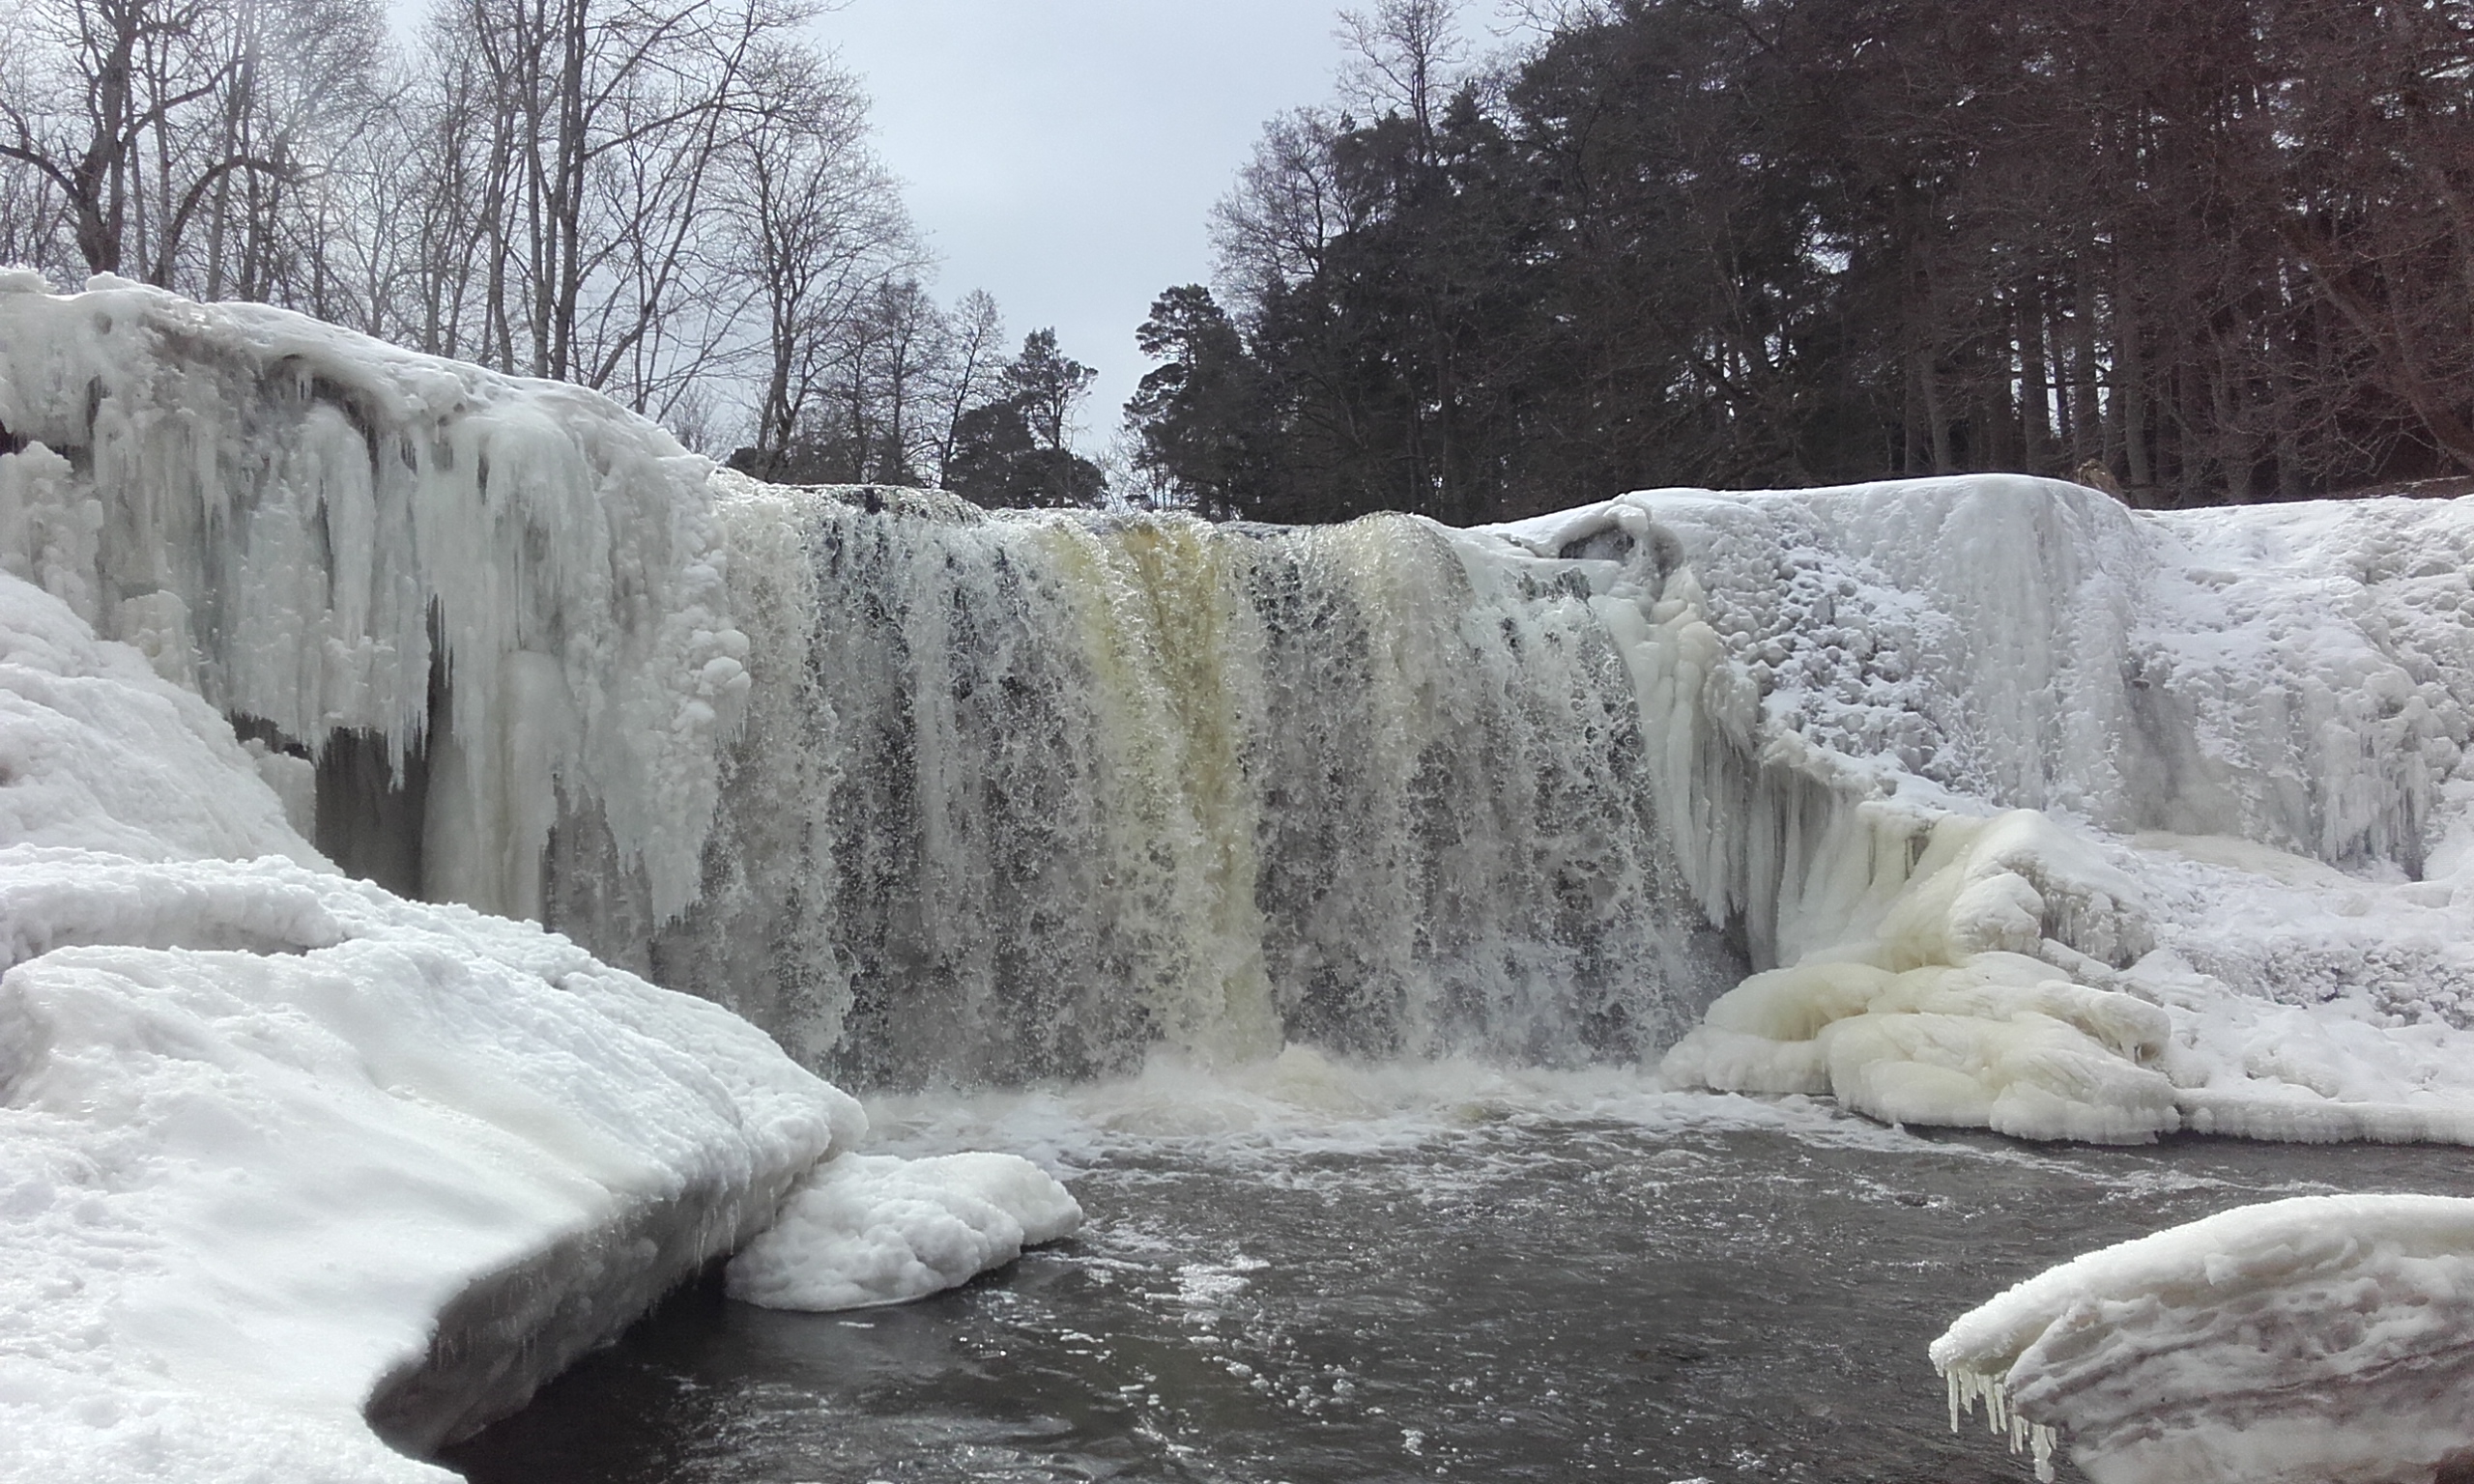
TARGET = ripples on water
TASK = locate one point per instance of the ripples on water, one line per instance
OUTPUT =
(1354, 1277)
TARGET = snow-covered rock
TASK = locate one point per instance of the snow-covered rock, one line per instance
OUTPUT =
(863, 1230)
(292, 1169)
(2303, 1341)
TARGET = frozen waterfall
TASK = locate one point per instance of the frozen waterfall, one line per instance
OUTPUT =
(1026, 795)
(2051, 813)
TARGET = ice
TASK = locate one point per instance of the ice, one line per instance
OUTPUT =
(2310, 1339)
(493, 586)
(935, 796)
(293, 1169)
(863, 1230)
(2203, 773)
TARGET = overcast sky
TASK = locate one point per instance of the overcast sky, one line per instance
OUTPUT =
(1064, 155)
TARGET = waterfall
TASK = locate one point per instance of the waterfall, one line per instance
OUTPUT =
(1028, 794)
(939, 795)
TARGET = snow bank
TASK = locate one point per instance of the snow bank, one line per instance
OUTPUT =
(289, 1164)
(2308, 1340)
(863, 1230)
(2051, 816)
(507, 593)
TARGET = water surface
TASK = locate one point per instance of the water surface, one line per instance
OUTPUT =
(1505, 1286)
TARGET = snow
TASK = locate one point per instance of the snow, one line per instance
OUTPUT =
(862, 1230)
(2047, 816)
(2311, 1340)
(288, 1164)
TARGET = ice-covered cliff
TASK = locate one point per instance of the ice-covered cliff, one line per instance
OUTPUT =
(290, 1165)
(2047, 815)
(481, 604)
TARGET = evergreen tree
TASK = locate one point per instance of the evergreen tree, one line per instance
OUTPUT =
(1016, 451)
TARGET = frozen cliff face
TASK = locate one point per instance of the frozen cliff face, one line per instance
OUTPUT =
(1981, 774)
(2230, 891)
(476, 602)
(290, 1165)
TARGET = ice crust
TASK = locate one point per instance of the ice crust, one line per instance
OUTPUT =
(289, 1164)
(863, 1230)
(2321, 1338)
(2051, 816)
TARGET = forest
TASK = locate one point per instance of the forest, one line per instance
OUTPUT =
(2216, 251)
(672, 202)
(2212, 251)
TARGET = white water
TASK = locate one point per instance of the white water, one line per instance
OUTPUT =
(1024, 796)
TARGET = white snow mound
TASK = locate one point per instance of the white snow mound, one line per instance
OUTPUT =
(863, 1230)
(289, 1164)
(2319, 1340)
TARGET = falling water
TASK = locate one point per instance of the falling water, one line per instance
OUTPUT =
(1026, 795)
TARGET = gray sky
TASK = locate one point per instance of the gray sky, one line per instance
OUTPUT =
(1064, 155)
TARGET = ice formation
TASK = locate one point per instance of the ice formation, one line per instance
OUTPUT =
(862, 1230)
(479, 604)
(2020, 807)
(288, 1164)
(2307, 1340)
(2043, 814)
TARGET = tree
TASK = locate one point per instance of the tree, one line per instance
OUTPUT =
(1200, 419)
(143, 123)
(2224, 250)
(1016, 451)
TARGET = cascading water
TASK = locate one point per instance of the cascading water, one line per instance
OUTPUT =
(940, 796)
(1025, 795)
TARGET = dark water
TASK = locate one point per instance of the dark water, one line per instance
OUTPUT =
(1494, 1295)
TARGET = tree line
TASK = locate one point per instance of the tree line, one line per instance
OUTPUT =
(2218, 250)
(670, 201)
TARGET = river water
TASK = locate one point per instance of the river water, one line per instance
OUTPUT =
(1313, 1273)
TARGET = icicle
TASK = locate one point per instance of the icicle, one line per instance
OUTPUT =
(1968, 1388)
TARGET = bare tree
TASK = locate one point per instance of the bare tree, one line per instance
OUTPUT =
(817, 229)
(968, 370)
(583, 139)
(1288, 205)
(105, 99)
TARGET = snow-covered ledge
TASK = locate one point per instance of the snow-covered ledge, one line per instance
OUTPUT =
(2294, 1342)
(292, 1169)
